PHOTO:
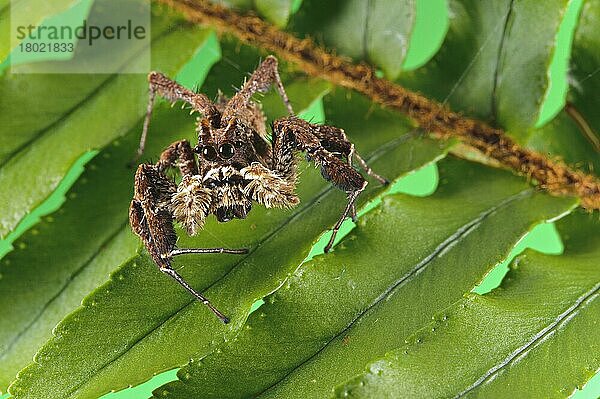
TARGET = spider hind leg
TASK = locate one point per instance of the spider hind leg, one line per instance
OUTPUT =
(159, 84)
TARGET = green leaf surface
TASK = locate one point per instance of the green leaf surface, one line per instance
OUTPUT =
(494, 61)
(34, 102)
(76, 364)
(537, 334)
(585, 67)
(361, 300)
(4, 28)
(378, 31)
(562, 138)
(92, 122)
(5, 44)
(577, 141)
(276, 11)
(31, 11)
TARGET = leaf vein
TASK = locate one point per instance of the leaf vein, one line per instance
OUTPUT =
(461, 233)
(540, 336)
(496, 76)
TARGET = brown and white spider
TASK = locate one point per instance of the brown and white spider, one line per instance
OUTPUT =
(233, 165)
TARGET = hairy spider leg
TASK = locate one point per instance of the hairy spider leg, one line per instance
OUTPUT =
(363, 164)
(335, 140)
(242, 107)
(173, 91)
(181, 155)
(350, 208)
(199, 296)
(294, 134)
(259, 82)
(183, 251)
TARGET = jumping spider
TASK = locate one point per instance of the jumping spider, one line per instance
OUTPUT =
(233, 165)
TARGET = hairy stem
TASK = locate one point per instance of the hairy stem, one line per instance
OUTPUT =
(552, 175)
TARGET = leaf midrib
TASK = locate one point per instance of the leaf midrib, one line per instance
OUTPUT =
(376, 154)
(496, 75)
(461, 233)
(540, 336)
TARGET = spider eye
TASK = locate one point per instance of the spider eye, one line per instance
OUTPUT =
(209, 153)
(238, 144)
(226, 151)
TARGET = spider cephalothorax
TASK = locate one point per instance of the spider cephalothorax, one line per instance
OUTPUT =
(232, 166)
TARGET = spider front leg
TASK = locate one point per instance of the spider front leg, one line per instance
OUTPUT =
(259, 82)
(292, 134)
(173, 91)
